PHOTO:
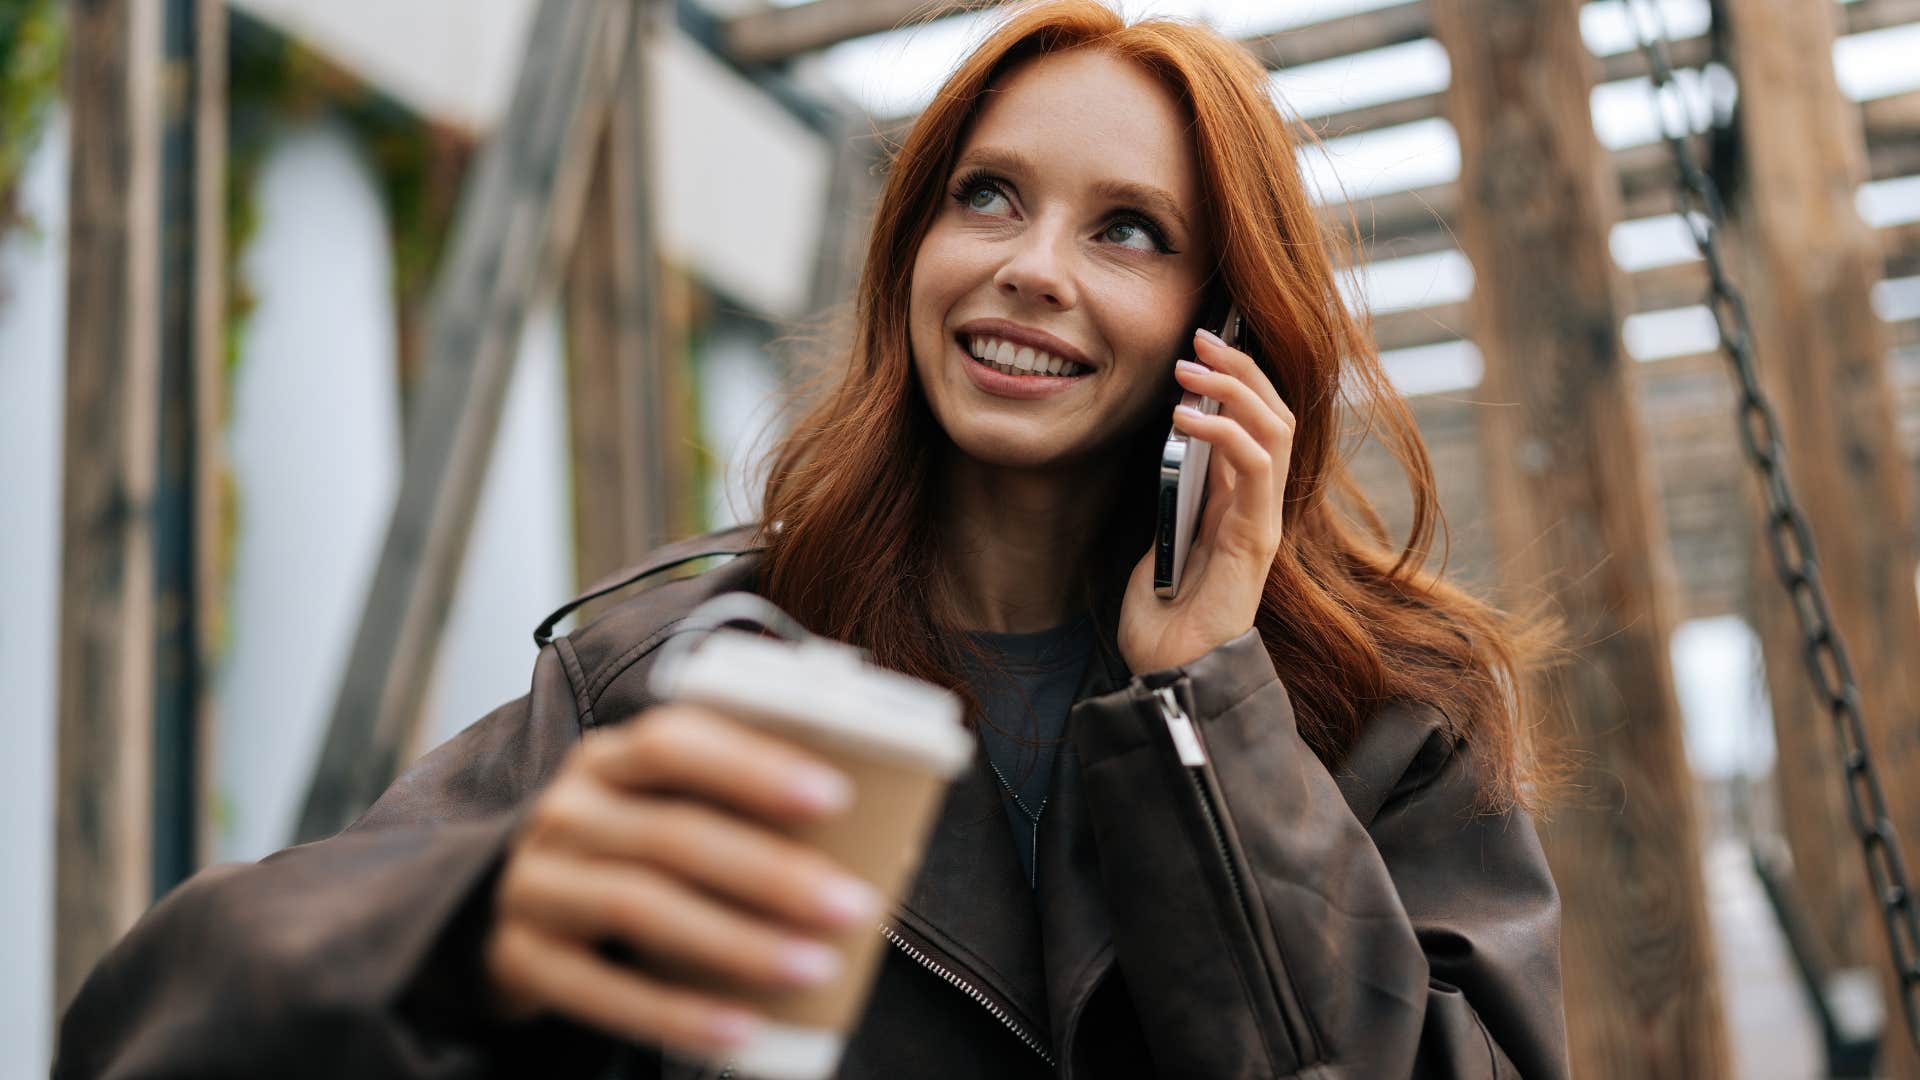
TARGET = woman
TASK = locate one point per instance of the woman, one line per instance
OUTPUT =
(1349, 887)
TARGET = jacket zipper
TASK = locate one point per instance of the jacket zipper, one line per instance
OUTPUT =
(971, 991)
(1193, 755)
(947, 974)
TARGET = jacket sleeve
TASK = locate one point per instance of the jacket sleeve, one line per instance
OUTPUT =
(352, 956)
(1272, 919)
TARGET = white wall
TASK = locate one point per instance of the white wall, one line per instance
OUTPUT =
(740, 398)
(744, 187)
(519, 562)
(316, 446)
(33, 273)
(314, 442)
(454, 59)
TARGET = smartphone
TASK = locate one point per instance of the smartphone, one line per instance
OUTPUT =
(1182, 494)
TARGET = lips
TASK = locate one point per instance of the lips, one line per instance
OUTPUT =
(989, 378)
(1018, 337)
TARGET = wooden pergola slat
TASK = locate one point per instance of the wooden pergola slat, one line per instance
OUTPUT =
(1343, 36)
(777, 34)
(1659, 288)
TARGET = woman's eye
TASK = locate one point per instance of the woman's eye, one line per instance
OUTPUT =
(981, 198)
(1131, 234)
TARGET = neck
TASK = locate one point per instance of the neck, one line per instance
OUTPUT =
(1016, 540)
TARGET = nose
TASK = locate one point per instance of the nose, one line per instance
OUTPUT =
(1038, 270)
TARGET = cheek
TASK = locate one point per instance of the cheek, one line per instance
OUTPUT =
(1158, 334)
(938, 281)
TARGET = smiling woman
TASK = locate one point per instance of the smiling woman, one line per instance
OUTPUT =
(1276, 825)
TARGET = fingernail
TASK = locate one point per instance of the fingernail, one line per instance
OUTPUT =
(848, 899)
(822, 789)
(1208, 335)
(1188, 410)
(809, 962)
(1189, 365)
(731, 1027)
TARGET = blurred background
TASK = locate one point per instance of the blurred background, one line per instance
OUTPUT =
(485, 298)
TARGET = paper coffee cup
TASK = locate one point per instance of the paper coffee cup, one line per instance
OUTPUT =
(898, 739)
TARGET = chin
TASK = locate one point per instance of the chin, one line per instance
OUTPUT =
(1013, 443)
(1019, 442)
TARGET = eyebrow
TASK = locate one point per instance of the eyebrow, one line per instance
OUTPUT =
(1145, 196)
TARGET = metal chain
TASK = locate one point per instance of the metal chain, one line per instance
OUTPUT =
(1787, 534)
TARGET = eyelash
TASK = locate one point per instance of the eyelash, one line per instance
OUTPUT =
(977, 179)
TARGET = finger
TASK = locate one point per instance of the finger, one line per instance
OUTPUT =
(1222, 357)
(569, 978)
(1254, 497)
(698, 751)
(590, 900)
(716, 850)
(1238, 400)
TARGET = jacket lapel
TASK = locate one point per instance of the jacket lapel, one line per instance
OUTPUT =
(1043, 949)
(1074, 921)
(971, 901)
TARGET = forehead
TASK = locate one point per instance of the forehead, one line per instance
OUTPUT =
(1093, 115)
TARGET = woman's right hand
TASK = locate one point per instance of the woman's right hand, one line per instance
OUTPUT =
(663, 834)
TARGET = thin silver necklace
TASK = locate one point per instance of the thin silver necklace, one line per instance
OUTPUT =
(1032, 816)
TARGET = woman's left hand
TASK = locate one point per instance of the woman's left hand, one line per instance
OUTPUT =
(1233, 550)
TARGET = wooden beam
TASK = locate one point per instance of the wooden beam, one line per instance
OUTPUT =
(1894, 117)
(1343, 36)
(630, 474)
(516, 225)
(186, 516)
(1810, 265)
(777, 34)
(1576, 514)
(1870, 15)
(103, 816)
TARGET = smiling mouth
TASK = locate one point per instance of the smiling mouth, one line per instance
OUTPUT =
(1018, 360)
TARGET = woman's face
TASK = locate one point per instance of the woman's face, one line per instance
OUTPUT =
(1072, 251)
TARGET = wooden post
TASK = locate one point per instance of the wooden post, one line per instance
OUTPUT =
(192, 223)
(102, 880)
(629, 473)
(1576, 514)
(516, 227)
(1808, 267)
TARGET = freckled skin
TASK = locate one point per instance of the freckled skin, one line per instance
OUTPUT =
(1045, 251)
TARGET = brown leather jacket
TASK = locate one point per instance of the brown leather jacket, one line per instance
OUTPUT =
(1260, 916)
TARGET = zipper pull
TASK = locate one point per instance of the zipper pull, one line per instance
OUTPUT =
(1180, 726)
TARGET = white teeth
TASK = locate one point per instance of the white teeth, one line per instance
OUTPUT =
(1019, 359)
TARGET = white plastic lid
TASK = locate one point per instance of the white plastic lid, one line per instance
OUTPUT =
(785, 1052)
(825, 686)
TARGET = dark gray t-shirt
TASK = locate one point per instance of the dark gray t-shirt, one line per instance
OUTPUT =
(1026, 702)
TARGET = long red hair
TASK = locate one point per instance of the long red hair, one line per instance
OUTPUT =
(1351, 620)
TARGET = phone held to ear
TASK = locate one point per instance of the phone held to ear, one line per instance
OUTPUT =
(1183, 484)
